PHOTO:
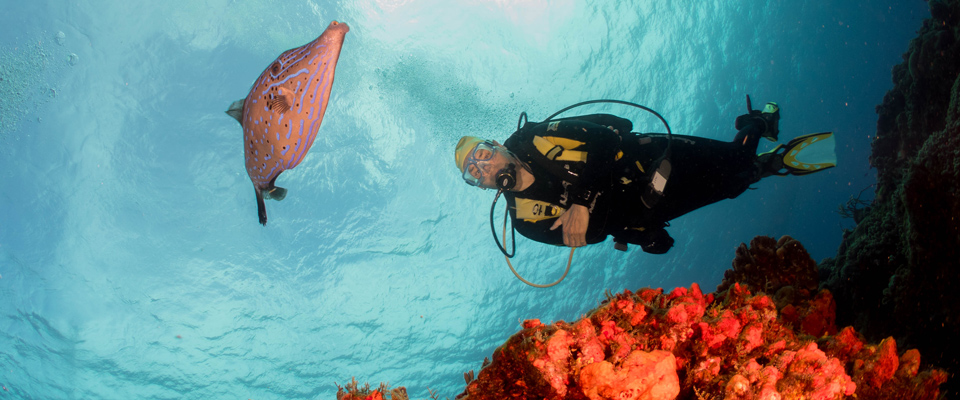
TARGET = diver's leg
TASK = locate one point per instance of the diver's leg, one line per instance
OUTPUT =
(706, 171)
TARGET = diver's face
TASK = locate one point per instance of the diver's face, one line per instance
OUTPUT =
(484, 162)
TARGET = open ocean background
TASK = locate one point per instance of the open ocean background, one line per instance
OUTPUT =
(132, 265)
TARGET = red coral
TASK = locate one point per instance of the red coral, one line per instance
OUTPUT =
(589, 348)
(353, 391)
(880, 365)
(819, 318)
(531, 323)
(814, 375)
(844, 345)
(909, 364)
(641, 375)
(732, 344)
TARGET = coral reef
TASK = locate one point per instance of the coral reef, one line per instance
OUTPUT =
(895, 273)
(353, 391)
(732, 344)
(780, 267)
(737, 343)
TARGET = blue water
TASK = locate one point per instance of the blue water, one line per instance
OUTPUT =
(132, 263)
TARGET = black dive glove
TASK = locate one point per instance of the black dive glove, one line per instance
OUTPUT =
(651, 240)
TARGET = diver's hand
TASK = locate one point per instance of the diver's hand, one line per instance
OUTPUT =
(574, 222)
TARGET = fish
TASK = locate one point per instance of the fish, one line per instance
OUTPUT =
(281, 114)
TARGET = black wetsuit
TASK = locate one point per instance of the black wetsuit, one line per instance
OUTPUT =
(596, 161)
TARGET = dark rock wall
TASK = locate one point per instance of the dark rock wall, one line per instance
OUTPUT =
(898, 272)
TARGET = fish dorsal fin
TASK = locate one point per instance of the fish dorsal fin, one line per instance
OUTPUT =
(279, 104)
(236, 110)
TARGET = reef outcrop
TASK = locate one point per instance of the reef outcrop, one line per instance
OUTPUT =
(732, 344)
(738, 343)
(896, 274)
(779, 267)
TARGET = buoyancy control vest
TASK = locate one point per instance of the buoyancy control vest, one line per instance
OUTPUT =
(615, 199)
(552, 150)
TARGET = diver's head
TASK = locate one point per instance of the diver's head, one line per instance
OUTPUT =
(486, 164)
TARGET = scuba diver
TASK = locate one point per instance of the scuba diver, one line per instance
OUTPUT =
(574, 181)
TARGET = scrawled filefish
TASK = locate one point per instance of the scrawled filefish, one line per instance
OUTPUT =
(282, 113)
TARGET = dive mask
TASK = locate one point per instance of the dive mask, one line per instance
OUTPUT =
(472, 173)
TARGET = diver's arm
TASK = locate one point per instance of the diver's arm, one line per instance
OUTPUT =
(538, 231)
(575, 222)
(541, 231)
(601, 144)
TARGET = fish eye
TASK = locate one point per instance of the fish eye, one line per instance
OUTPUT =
(275, 68)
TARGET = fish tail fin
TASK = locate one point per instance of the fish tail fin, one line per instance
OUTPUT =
(261, 208)
(275, 193)
(236, 110)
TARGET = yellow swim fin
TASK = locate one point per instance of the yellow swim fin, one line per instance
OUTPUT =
(800, 156)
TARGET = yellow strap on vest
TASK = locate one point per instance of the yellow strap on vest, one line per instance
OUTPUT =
(534, 210)
(559, 149)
